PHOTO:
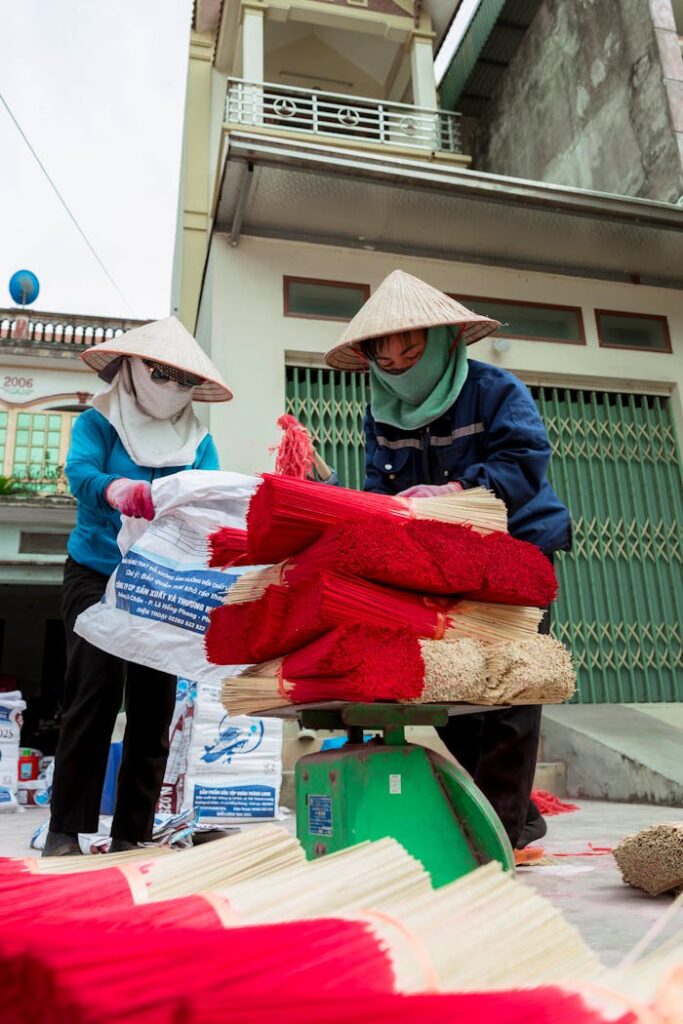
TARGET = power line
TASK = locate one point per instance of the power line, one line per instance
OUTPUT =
(65, 205)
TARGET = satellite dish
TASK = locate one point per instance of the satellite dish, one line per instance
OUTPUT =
(24, 287)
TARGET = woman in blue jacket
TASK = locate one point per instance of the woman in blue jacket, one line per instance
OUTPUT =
(142, 426)
(439, 422)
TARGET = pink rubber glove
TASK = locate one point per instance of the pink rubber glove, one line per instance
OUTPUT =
(431, 490)
(131, 498)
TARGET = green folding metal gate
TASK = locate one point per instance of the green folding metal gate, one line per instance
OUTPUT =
(616, 465)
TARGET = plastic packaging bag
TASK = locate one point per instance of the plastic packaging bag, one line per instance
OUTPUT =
(155, 610)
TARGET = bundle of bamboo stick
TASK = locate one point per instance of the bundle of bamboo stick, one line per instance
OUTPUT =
(360, 663)
(652, 860)
(251, 854)
(500, 934)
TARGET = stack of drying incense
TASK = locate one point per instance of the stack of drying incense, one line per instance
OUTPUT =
(381, 598)
(200, 935)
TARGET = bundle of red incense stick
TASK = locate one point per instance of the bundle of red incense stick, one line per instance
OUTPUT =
(417, 555)
(286, 618)
(435, 571)
(228, 547)
(369, 663)
(286, 515)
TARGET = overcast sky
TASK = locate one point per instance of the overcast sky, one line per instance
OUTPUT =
(99, 88)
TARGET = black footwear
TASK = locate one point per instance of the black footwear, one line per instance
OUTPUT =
(534, 828)
(61, 844)
(122, 846)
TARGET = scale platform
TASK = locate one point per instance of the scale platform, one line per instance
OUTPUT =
(389, 787)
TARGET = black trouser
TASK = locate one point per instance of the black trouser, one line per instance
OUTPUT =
(499, 750)
(94, 690)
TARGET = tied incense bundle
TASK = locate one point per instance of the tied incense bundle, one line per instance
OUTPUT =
(417, 555)
(295, 456)
(85, 975)
(367, 663)
(228, 547)
(286, 618)
(652, 860)
(413, 554)
(286, 515)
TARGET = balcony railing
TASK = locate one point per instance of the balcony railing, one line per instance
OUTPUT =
(57, 329)
(354, 118)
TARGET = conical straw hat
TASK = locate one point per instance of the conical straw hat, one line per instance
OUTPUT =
(164, 341)
(404, 303)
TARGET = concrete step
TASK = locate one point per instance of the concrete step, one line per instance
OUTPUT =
(627, 752)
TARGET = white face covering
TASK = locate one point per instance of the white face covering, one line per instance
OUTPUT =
(154, 419)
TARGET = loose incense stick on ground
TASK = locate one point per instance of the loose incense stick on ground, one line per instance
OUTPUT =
(652, 860)
(360, 663)
(287, 618)
(286, 515)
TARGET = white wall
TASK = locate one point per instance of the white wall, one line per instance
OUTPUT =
(249, 334)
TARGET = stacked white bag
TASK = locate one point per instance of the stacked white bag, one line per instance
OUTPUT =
(234, 765)
(12, 706)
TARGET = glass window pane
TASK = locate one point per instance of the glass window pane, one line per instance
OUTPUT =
(3, 419)
(622, 330)
(22, 436)
(55, 422)
(554, 323)
(53, 439)
(23, 420)
(324, 300)
(38, 438)
(19, 469)
(20, 454)
(36, 456)
(39, 421)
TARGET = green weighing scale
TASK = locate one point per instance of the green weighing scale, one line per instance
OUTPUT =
(389, 787)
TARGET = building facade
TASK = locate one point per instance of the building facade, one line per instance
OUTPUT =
(327, 158)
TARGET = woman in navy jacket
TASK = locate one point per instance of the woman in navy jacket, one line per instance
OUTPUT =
(439, 423)
(142, 427)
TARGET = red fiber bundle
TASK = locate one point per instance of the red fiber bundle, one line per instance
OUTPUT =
(286, 618)
(286, 515)
(546, 1005)
(355, 663)
(414, 554)
(86, 975)
(196, 911)
(24, 896)
(549, 804)
(295, 451)
(516, 573)
(240, 634)
(228, 547)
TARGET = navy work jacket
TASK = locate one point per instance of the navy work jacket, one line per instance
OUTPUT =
(492, 436)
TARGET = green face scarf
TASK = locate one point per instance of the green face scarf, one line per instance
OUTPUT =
(419, 396)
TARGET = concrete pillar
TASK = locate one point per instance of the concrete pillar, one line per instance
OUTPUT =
(422, 72)
(252, 45)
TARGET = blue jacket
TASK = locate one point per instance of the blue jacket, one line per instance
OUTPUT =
(96, 457)
(492, 436)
